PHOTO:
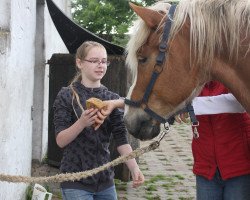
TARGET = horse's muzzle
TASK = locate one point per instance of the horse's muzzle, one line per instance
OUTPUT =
(143, 130)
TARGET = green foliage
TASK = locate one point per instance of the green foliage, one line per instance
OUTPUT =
(109, 19)
(106, 17)
(29, 192)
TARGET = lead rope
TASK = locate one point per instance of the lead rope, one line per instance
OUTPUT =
(58, 178)
(163, 133)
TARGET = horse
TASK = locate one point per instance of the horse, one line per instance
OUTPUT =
(207, 40)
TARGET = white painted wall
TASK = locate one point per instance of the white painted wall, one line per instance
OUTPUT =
(27, 40)
(48, 41)
(17, 64)
(53, 44)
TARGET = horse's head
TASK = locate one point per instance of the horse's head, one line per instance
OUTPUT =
(208, 40)
(176, 81)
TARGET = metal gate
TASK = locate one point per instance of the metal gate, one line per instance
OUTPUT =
(61, 72)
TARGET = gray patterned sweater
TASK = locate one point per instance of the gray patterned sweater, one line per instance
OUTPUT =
(90, 149)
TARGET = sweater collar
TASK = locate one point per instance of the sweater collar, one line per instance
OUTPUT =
(80, 86)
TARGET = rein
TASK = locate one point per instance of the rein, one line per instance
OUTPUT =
(158, 68)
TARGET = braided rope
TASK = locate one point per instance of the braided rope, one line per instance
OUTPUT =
(78, 175)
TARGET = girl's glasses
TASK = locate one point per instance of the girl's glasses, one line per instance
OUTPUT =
(98, 62)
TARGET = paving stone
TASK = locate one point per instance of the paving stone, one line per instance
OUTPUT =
(167, 170)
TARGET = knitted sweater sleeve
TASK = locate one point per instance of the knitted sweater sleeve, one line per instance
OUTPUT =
(118, 127)
(62, 110)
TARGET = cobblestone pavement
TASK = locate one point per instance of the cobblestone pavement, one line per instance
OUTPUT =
(167, 170)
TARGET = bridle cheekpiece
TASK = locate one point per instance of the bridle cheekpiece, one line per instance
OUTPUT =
(157, 70)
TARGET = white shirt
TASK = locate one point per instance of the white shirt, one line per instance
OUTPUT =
(224, 103)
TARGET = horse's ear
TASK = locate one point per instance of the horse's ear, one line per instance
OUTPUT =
(151, 17)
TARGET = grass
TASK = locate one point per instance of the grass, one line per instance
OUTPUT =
(156, 178)
(179, 177)
(153, 197)
(121, 186)
(151, 188)
(171, 184)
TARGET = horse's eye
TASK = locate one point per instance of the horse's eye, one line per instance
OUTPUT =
(142, 60)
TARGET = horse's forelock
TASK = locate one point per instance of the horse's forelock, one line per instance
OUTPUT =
(139, 33)
(209, 20)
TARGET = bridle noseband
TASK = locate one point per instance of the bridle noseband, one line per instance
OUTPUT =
(158, 68)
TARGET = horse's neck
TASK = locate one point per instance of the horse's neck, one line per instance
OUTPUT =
(235, 78)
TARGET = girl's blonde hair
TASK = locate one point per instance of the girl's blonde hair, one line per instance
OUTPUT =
(81, 53)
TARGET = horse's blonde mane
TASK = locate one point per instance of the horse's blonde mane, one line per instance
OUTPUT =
(209, 21)
(139, 33)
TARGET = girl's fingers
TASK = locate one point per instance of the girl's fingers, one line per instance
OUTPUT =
(105, 112)
(90, 117)
(86, 112)
(94, 111)
(101, 116)
(97, 126)
(98, 123)
(90, 112)
(98, 120)
(138, 179)
(95, 117)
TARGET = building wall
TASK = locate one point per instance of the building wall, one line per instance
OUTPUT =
(53, 44)
(48, 42)
(27, 40)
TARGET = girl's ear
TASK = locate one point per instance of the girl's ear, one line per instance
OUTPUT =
(78, 63)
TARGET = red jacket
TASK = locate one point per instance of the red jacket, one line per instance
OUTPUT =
(224, 141)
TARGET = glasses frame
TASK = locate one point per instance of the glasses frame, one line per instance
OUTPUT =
(98, 62)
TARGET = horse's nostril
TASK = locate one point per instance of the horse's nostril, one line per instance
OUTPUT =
(149, 130)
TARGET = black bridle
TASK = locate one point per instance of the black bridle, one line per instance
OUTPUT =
(143, 103)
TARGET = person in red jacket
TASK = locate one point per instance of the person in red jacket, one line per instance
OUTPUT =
(221, 150)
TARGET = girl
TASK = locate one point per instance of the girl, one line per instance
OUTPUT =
(86, 147)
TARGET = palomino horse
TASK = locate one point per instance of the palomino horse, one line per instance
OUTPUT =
(207, 40)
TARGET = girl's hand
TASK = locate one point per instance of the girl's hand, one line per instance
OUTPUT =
(88, 117)
(110, 105)
(99, 119)
(137, 176)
